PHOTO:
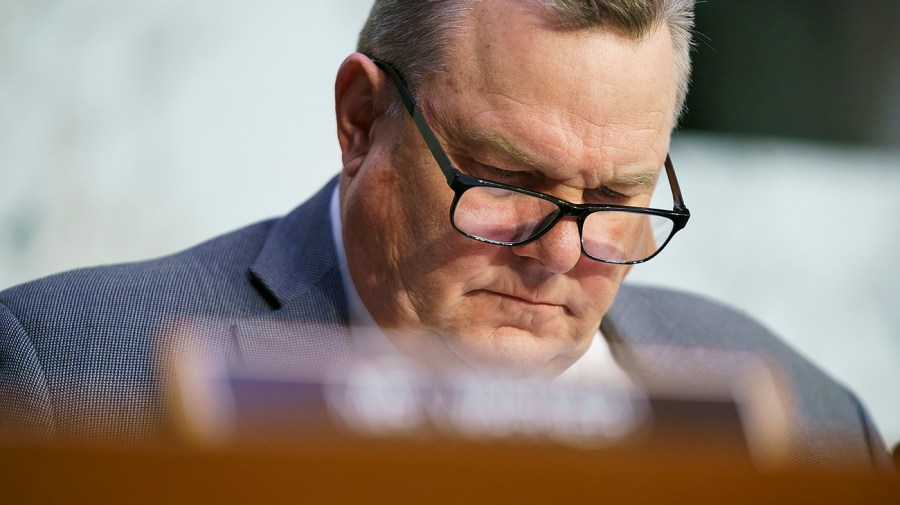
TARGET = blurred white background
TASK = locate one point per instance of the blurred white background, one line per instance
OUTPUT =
(134, 128)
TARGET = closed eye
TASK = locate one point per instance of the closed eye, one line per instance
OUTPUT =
(608, 193)
(492, 173)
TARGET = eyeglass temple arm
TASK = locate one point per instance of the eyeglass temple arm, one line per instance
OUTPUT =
(673, 183)
(441, 157)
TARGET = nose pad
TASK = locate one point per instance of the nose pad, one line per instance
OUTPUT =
(558, 249)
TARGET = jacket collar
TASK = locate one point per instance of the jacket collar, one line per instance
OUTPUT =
(298, 253)
(296, 272)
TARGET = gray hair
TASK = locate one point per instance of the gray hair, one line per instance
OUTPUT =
(414, 35)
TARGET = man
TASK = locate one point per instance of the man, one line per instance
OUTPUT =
(498, 161)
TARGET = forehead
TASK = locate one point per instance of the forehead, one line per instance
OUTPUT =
(580, 104)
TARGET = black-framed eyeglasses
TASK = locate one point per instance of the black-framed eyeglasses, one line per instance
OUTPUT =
(506, 215)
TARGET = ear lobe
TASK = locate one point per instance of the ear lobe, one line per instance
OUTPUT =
(355, 90)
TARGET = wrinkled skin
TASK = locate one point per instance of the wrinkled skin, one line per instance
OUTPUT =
(572, 113)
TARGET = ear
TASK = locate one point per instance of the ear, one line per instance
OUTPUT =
(356, 91)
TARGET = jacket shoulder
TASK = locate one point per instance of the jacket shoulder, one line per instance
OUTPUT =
(831, 425)
(77, 346)
(682, 318)
(192, 277)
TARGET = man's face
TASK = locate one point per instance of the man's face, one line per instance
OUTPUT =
(583, 115)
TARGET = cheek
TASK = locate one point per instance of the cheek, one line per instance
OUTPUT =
(598, 284)
(424, 199)
(444, 274)
(450, 265)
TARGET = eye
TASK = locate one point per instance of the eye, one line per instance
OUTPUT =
(610, 194)
(516, 178)
(519, 178)
(499, 172)
(490, 172)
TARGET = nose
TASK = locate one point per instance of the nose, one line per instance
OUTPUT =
(558, 250)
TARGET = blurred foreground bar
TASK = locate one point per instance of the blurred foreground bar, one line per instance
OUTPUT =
(408, 471)
(384, 430)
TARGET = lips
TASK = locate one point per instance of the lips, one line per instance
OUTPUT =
(525, 299)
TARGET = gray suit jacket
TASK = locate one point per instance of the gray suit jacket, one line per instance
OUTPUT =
(76, 349)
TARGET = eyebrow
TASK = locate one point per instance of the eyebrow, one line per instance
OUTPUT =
(637, 179)
(487, 138)
(492, 139)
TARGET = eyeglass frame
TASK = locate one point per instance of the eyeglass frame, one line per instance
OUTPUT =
(460, 183)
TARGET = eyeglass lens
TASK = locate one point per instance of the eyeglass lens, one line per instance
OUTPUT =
(508, 217)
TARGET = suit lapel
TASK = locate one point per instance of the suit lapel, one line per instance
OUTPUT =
(297, 273)
(299, 251)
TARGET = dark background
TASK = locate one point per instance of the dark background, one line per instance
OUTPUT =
(811, 69)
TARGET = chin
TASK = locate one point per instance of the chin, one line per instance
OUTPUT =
(511, 349)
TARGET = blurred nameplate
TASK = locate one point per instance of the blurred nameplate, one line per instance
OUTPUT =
(393, 399)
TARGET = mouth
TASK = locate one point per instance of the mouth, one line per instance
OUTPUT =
(533, 303)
